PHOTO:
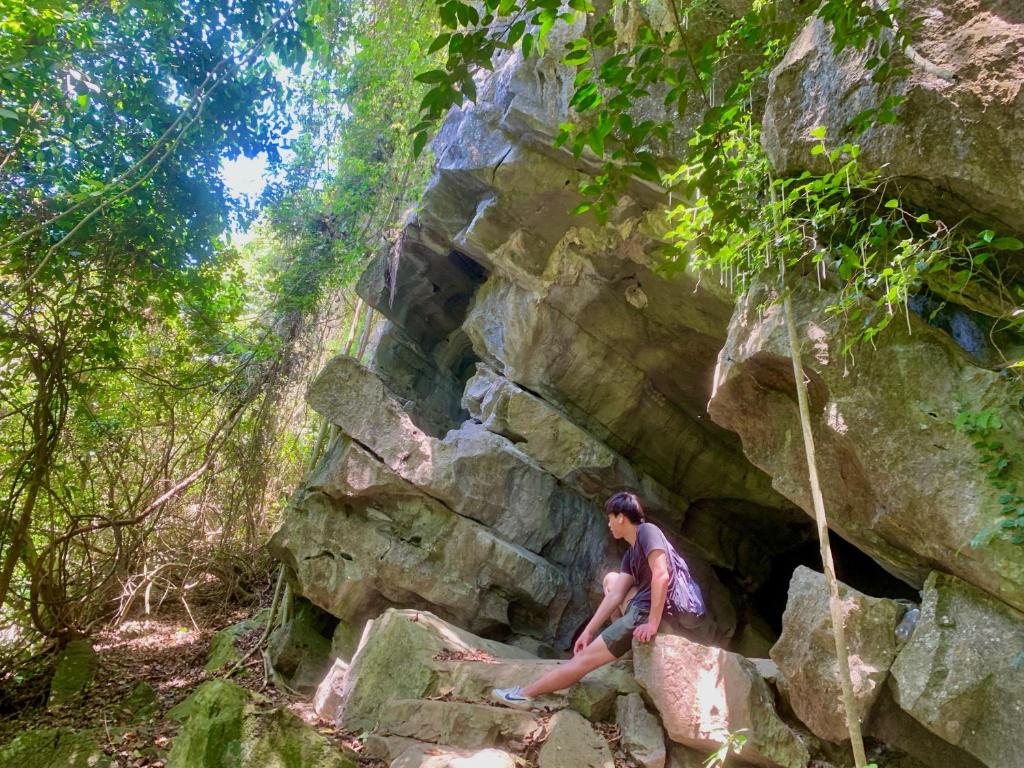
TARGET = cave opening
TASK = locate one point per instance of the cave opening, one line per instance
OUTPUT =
(853, 566)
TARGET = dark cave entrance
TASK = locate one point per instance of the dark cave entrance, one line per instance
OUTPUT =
(853, 567)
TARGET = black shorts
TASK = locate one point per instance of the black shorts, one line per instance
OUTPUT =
(618, 635)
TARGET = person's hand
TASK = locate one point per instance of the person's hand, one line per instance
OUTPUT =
(586, 636)
(645, 632)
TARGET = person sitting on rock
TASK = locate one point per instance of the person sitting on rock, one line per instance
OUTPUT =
(664, 597)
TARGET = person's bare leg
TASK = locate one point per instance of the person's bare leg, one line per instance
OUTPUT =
(590, 658)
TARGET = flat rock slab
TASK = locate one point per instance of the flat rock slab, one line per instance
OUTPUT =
(53, 748)
(433, 756)
(806, 657)
(76, 667)
(573, 743)
(961, 674)
(703, 693)
(467, 726)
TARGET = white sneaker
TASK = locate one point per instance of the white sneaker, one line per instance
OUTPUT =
(512, 697)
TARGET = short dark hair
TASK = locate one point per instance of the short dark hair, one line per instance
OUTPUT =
(626, 503)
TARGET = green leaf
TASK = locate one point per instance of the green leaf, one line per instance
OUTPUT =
(439, 42)
(419, 143)
(576, 58)
(432, 76)
(1007, 244)
(527, 45)
(892, 203)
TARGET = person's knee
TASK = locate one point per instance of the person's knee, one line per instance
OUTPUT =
(609, 581)
(594, 655)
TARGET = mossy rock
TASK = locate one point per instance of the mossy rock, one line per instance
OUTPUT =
(223, 647)
(281, 740)
(53, 748)
(142, 702)
(211, 735)
(76, 668)
(224, 728)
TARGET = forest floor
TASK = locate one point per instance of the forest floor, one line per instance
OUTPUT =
(167, 650)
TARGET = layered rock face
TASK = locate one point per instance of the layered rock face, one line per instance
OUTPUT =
(533, 363)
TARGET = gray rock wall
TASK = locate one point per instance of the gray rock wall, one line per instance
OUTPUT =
(534, 362)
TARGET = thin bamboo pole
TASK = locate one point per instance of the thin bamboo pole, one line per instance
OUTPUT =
(834, 604)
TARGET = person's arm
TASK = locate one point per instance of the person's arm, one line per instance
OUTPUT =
(611, 601)
(658, 562)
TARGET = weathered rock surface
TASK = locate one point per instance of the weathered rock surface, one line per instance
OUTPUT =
(573, 743)
(962, 673)
(75, 670)
(500, 520)
(469, 726)
(223, 726)
(53, 748)
(884, 429)
(411, 656)
(684, 757)
(351, 558)
(396, 660)
(642, 736)
(893, 726)
(952, 141)
(704, 693)
(430, 756)
(559, 445)
(805, 652)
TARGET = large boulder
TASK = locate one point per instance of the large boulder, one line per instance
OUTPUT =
(885, 430)
(953, 139)
(704, 693)
(806, 657)
(397, 660)
(962, 673)
(475, 472)
(360, 538)
(892, 726)
(413, 656)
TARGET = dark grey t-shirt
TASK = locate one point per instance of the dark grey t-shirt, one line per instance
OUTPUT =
(684, 598)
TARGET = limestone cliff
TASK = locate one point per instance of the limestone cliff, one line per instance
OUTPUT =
(534, 361)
